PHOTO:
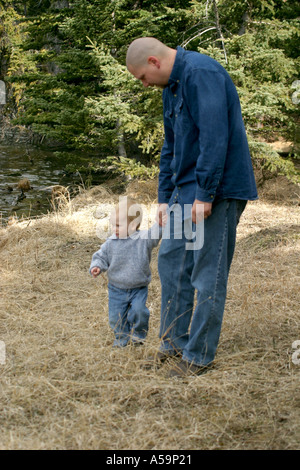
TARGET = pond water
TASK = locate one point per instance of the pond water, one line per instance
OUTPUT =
(42, 168)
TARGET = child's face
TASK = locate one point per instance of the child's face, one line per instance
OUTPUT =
(122, 225)
(119, 222)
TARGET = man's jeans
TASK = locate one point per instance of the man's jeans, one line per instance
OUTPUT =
(182, 271)
(128, 314)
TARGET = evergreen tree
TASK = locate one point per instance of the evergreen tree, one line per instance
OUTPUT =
(13, 60)
(66, 64)
(263, 63)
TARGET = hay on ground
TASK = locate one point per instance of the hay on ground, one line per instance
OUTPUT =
(64, 387)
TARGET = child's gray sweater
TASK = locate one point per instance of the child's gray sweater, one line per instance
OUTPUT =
(127, 261)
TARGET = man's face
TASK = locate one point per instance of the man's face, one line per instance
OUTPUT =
(149, 75)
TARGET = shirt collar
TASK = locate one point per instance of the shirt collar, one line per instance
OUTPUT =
(176, 73)
(134, 236)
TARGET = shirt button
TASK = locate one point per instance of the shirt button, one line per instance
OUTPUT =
(175, 96)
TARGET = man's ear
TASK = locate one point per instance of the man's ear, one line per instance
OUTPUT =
(152, 60)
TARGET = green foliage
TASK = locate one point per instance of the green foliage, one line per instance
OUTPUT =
(269, 163)
(124, 108)
(65, 62)
(261, 63)
(13, 60)
(131, 168)
(96, 172)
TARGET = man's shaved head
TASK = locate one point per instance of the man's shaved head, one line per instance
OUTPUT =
(140, 49)
(150, 61)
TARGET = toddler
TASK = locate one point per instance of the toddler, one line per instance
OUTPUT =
(126, 257)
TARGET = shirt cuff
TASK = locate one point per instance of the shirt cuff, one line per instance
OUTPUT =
(204, 196)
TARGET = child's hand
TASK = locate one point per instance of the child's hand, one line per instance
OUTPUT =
(95, 272)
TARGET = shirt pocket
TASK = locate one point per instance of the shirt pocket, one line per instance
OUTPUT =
(169, 114)
(182, 119)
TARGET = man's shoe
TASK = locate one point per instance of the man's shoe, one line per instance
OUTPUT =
(185, 369)
(157, 359)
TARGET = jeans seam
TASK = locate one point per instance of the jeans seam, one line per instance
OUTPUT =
(221, 248)
(177, 293)
(178, 290)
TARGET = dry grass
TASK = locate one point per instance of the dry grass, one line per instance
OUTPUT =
(64, 387)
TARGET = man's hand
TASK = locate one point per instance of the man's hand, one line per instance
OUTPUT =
(200, 210)
(95, 271)
(161, 216)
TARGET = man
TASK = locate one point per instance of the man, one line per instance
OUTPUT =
(205, 164)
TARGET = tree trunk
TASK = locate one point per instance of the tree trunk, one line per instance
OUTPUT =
(219, 28)
(245, 18)
(120, 134)
(120, 137)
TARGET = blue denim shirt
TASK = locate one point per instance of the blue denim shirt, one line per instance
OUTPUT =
(205, 153)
